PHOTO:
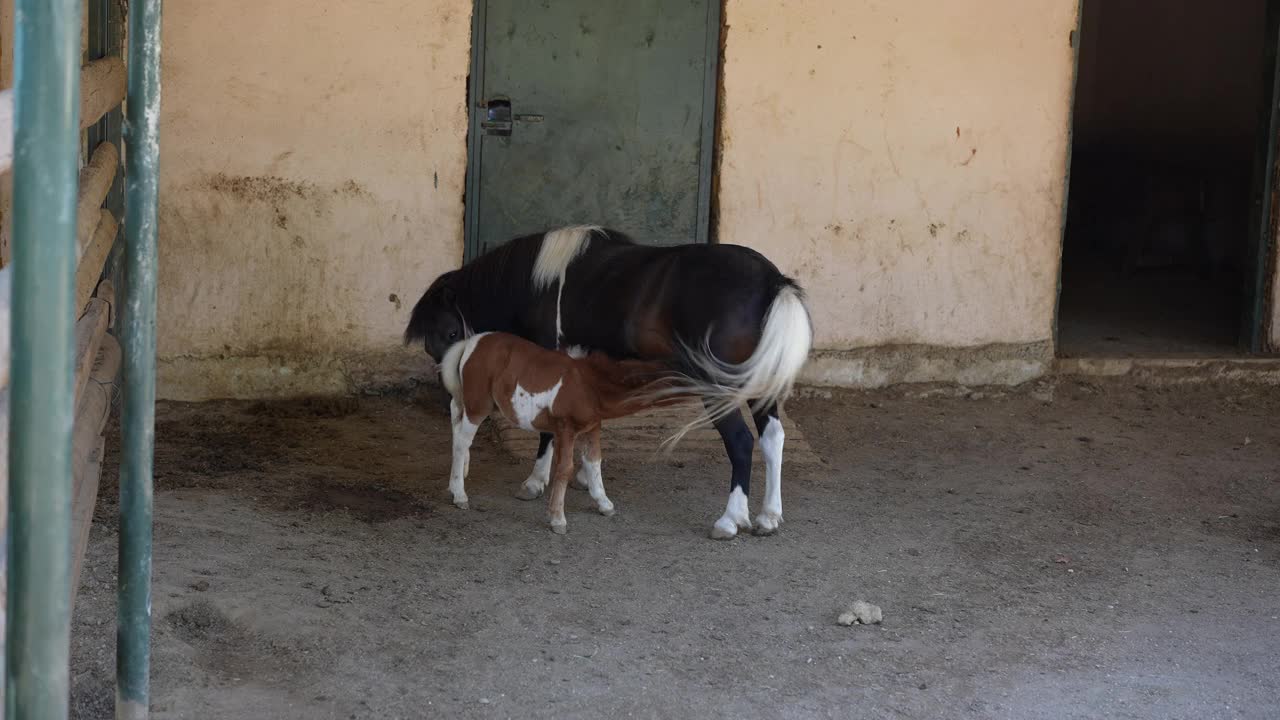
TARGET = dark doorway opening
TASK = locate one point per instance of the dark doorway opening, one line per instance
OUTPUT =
(1161, 252)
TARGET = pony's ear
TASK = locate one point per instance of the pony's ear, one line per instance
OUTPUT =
(443, 291)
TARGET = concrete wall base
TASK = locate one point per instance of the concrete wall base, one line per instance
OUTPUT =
(878, 367)
(267, 376)
(194, 379)
(1257, 371)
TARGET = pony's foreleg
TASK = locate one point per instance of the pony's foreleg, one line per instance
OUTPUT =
(590, 472)
(771, 439)
(464, 432)
(739, 444)
(537, 481)
(563, 468)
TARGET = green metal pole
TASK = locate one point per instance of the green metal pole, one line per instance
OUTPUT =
(142, 153)
(46, 157)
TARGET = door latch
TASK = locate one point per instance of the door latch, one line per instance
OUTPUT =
(497, 117)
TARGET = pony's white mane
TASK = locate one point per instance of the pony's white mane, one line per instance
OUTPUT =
(559, 248)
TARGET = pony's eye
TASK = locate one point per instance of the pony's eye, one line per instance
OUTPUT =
(453, 335)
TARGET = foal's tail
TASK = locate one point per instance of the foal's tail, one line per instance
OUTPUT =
(765, 378)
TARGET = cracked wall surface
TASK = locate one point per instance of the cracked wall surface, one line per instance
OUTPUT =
(904, 160)
(312, 169)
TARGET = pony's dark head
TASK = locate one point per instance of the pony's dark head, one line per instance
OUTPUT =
(437, 320)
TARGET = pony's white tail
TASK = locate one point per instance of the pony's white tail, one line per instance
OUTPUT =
(766, 378)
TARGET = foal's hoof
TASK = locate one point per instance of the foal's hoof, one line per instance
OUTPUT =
(528, 493)
(560, 529)
(461, 504)
(767, 524)
(606, 510)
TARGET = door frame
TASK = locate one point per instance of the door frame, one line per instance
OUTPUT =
(1263, 225)
(1255, 336)
(475, 103)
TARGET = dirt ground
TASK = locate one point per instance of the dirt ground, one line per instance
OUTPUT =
(1073, 550)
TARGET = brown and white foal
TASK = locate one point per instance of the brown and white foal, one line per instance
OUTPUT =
(561, 393)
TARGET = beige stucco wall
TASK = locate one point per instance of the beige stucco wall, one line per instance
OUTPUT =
(312, 166)
(902, 159)
(905, 160)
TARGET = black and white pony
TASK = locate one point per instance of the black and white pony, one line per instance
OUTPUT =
(722, 314)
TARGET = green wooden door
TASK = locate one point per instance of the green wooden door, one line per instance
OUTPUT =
(592, 111)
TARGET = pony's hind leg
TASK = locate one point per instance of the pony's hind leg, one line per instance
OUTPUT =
(590, 472)
(541, 475)
(739, 444)
(563, 468)
(582, 479)
(464, 432)
(771, 439)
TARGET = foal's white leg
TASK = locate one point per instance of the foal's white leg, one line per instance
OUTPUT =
(590, 473)
(595, 486)
(541, 475)
(464, 431)
(536, 483)
(771, 447)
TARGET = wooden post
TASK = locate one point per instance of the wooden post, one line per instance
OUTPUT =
(95, 182)
(106, 39)
(94, 257)
(90, 329)
(86, 450)
(102, 88)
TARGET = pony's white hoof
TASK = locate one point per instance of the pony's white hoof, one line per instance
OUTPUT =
(606, 509)
(736, 517)
(560, 529)
(529, 491)
(461, 503)
(724, 529)
(767, 524)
